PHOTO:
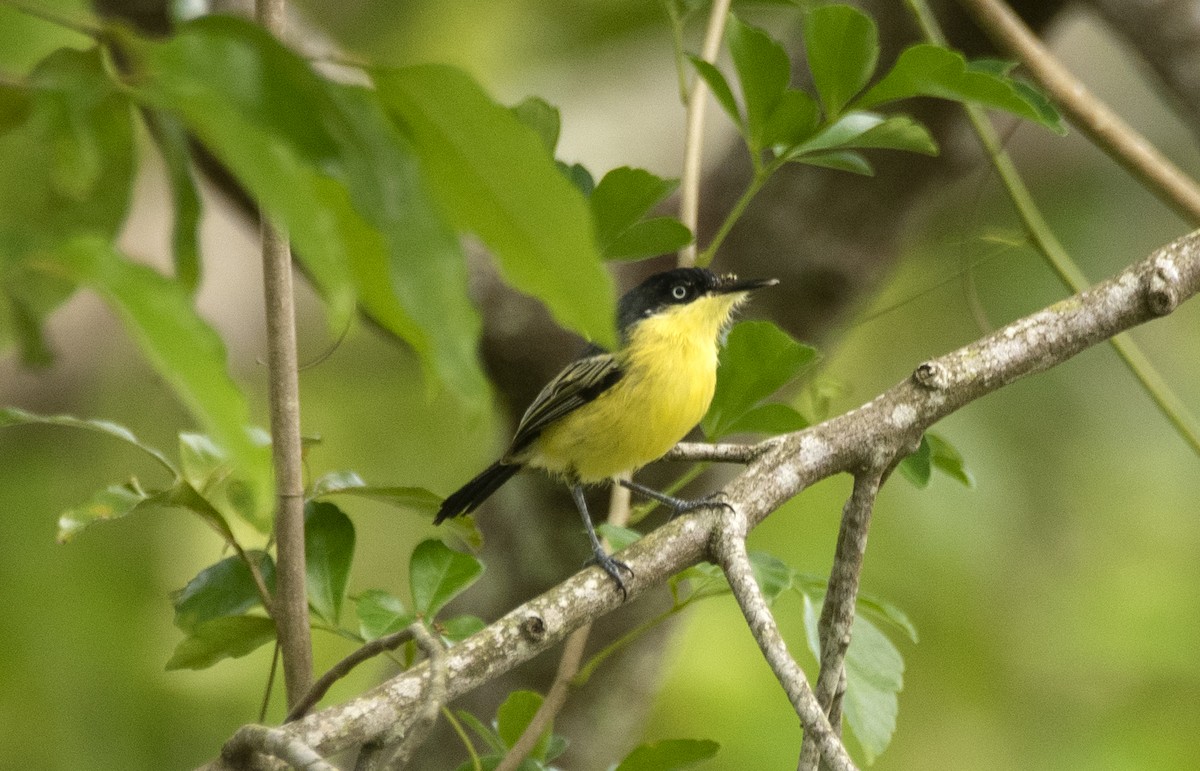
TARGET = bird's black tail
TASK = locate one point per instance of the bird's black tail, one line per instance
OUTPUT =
(468, 497)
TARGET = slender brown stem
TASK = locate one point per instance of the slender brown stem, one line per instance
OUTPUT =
(291, 600)
(1092, 116)
(339, 670)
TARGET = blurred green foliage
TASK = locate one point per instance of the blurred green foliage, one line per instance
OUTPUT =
(1056, 601)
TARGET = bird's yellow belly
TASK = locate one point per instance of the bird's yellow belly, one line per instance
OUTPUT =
(663, 394)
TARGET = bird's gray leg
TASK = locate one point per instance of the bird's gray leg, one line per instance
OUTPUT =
(611, 566)
(678, 505)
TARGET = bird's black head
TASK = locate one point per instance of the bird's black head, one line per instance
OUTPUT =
(677, 287)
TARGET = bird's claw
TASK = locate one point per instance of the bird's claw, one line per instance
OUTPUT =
(613, 567)
(681, 506)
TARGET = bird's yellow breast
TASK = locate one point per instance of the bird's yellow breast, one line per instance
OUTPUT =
(670, 372)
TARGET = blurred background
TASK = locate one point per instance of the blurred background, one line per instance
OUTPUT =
(1058, 601)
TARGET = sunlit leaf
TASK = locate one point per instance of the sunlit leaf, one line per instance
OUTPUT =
(328, 551)
(763, 72)
(350, 483)
(842, 44)
(757, 360)
(113, 502)
(771, 573)
(221, 638)
(841, 160)
(930, 70)
(172, 142)
(438, 574)
(493, 177)
(381, 613)
(513, 716)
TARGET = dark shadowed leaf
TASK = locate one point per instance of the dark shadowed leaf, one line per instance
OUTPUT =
(842, 46)
(841, 160)
(669, 755)
(438, 574)
(171, 138)
(225, 588)
(228, 637)
(493, 177)
(772, 574)
(623, 197)
(618, 537)
(328, 551)
(793, 121)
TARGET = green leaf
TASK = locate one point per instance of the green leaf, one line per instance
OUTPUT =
(438, 574)
(888, 613)
(720, 89)
(493, 177)
(794, 120)
(350, 483)
(185, 351)
(514, 715)
(328, 551)
(460, 628)
(489, 736)
(898, 132)
(172, 142)
(843, 48)
(325, 161)
(947, 459)
(763, 72)
(930, 70)
(68, 160)
(669, 754)
(618, 537)
(770, 419)
(840, 160)
(228, 637)
(207, 468)
(874, 675)
(381, 613)
(772, 574)
(13, 416)
(579, 176)
(113, 502)
(225, 588)
(758, 359)
(916, 468)
(542, 117)
(619, 202)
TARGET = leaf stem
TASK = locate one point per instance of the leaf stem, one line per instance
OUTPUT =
(761, 175)
(476, 762)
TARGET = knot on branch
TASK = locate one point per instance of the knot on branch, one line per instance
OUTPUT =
(1162, 286)
(931, 375)
(533, 628)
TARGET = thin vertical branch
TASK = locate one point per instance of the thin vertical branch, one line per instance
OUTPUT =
(837, 613)
(729, 550)
(693, 138)
(1104, 127)
(291, 600)
(1043, 238)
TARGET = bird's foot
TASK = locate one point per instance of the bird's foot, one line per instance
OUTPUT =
(613, 567)
(684, 506)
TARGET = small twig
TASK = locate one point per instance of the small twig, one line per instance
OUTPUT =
(729, 547)
(1106, 129)
(433, 700)
(693, 138)
(342, 668)
(274, 742)
(568, 665)
(717, 453)
(837, 613)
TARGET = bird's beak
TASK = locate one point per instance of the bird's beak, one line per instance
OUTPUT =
(729, 283)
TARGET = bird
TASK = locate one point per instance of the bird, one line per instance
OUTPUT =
(608, 413)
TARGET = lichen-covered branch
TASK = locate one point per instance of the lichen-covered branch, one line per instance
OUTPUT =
(729, 549)
(886, 427)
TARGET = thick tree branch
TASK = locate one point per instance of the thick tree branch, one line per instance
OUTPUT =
(886, 427)
(837, 613)
(729, 549)
(275, 743)
(1105, 128)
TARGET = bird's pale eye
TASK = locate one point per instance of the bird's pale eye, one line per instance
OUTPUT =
(679, 291)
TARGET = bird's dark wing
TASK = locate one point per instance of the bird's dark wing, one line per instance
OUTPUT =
(579, 383)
